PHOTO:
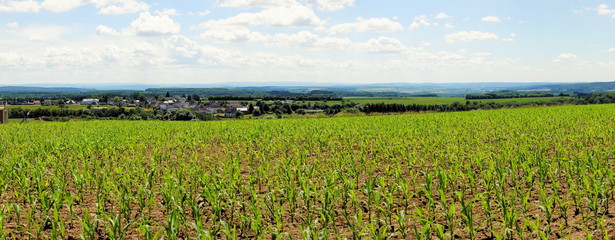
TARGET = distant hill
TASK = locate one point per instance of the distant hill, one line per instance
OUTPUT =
(573, 87)
(294, 88)
(18, 89)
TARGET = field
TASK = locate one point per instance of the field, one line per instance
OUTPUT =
(440, 100)
(526, 173)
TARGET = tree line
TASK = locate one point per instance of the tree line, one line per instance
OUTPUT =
(274, 98)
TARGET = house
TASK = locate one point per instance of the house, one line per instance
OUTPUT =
(71, 102)
(313, 111)
(89, 101)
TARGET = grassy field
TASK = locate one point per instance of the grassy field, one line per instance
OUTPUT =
(526, 173)
(439, 100)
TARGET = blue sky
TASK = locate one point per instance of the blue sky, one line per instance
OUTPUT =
(344, 41)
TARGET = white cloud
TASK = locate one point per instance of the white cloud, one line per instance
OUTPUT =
(294, 16)
(233, 34)
(367, 25)
(62, 5)
(203, 13)
(426, 44)
(20, 6)
(332, 5)
(419, 21)
(490, 19)
(104, 30)
(565, 57)
(470, 36)
(148, 25)
(611, 50)
(168, 12)
(604, 9)
(382, 45)
(12, 25)
(442, 16)
(120, 6)
(448, 25)
(183, 50)
(42, 33)
(257, 3)
(305, 39)
(105, 6)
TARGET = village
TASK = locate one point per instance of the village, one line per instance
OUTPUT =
(220, 108)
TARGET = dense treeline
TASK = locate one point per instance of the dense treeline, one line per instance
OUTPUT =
(594, 98)
(107, 114)
(508, 95)
(202, 92)
(280, 108)
(274, 98)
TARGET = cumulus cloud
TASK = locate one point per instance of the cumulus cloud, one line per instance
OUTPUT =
(20, 6)
(104, 30)
(104, 6)
(12, 25)
(565, 57)
(151, 25)
(305, 39)
(257, 3)
(293, 16)
(419, 21)
(490, 19)
(382, 45)
(604, 9)
(168, 12)
(470, 36)
(442, 15)
(182, 49)
(367, 25)
(62, 5)
(42, 33)
(203, 13)
(233, 34)
(120, 6)
(332, 5)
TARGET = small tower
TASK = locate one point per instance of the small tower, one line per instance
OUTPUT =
(4, 115)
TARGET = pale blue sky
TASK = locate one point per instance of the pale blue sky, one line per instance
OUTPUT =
(345, 41)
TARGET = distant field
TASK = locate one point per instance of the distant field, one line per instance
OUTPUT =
(440, 100)
(406, 100)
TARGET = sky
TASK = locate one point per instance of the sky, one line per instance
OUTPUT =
(321, 41)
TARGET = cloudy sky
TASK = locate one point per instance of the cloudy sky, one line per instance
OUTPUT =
(345, 41)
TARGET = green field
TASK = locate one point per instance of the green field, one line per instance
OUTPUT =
(525, 173)
(440, 100)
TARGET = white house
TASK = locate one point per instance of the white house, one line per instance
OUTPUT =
(89, 101)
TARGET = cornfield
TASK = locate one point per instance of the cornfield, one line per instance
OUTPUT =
(528, 173)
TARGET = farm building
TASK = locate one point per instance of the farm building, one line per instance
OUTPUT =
(89, 101)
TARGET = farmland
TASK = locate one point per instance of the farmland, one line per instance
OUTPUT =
(441, 100)
(526, 173)
(434, 100)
